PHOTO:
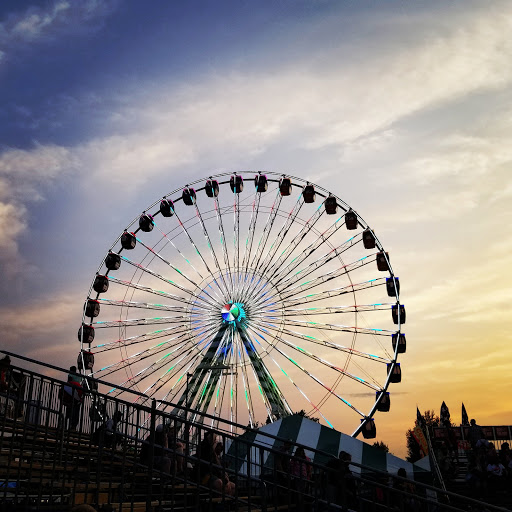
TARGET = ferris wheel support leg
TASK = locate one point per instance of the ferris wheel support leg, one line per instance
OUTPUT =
(268, 385)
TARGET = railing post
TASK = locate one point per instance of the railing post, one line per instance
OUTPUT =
(152, 423)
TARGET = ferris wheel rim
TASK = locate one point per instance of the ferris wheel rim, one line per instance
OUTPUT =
(275, 177)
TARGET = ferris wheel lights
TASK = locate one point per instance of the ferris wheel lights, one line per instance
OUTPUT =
(309, 194)
(85, 360)
(396, 311)
(236, 183)
(369, 430)
(392, 286)
(368, 239)
(401, 342)
(384, 402)
(394, 372)
(212, 188)
(100, 284)
(382, 261)
(128, 240)
(166, 207)
(351, 219)
(113, 261)
(331, 206)
(189, 196)
(285, 186)
(87, 333)
(146, 223)
(92, 308)
(261, 182)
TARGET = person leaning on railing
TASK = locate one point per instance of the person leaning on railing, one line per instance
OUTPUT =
(71, 395)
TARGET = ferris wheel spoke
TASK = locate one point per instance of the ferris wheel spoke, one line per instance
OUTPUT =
(288, 275)
(210, 245)
(295, 242)
(324, 342)
(180, 383)
(139, 266)
(261, 292)
(305, 396)
(247, 388)
(168, 263)
(288, 290)
(170, 240)
(333, 292)
(207, 361)
(337, 309)
(249, 242)
(309, 374)
(148, 371)
(274, 395)
(186, 364)
(222, 237)
(266, 230)
(148, 305)
(198, 252)
(337, 327)
(141, 356)
(252, 228)
(159, 293)
(272, 251)
(137, 321)
(213, 379)
(141, 338)
(322, 239)
(142, 375)
(236, 242)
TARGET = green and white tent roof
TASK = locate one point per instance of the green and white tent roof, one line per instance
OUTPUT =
(323, 442)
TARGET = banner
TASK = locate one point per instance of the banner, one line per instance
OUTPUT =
(418, 434)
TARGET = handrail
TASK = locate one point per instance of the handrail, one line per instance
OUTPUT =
(40, 393)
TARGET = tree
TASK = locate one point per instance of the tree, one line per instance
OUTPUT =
(302, 412)
(381, 445)
(413, 448)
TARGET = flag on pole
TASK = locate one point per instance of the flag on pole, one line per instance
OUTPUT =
(465, 418)
(444, 417)
(419, 436)
(419, 418)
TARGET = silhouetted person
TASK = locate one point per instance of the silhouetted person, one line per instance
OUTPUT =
(72, 397)
(475, 434)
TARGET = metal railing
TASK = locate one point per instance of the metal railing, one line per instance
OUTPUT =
(137, 463)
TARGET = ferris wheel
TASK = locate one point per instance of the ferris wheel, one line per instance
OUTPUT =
(249, 298)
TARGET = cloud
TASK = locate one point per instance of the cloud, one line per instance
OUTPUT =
(44, 328)
(316, 104)
(56, 19)
(24, 176)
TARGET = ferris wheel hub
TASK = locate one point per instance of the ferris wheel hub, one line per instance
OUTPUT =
(232, 313)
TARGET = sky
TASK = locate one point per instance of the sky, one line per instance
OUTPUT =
(402, 110)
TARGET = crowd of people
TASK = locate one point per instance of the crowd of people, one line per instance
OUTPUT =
(489, 469)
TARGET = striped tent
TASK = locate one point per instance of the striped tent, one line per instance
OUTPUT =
(301, 430)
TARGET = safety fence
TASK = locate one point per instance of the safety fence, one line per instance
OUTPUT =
(133, 456)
